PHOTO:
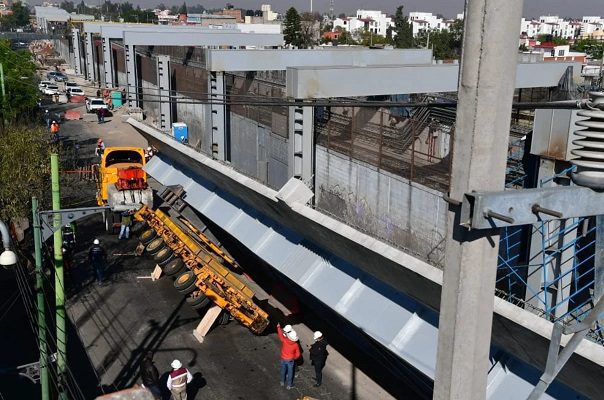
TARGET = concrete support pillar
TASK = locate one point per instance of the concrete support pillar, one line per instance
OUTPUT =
(301, 144)
(546, 263)
(77, 51)
(220, 139)
(90, 74)
(486, 88)
(164, 88)
(107, 61)
(131, 78)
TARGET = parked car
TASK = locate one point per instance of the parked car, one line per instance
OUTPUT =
(74, 90)
(42, 85)
(56, 76)
(94, 103)
(70, 85)
(51, 90)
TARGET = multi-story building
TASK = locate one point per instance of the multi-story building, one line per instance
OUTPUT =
(374, 21)
(424, 21)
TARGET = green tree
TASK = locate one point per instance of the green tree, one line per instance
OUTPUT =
(309, 30)
(345, 37)
(67, 6)
(183, 8)
(292, 28)
(403, 30)
(24, 170)
(558, 41)
(446, 44)
(21, 91)
(367, 38)
(19, 17)
(592, 47)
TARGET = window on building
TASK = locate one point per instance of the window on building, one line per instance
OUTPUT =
(560, 53)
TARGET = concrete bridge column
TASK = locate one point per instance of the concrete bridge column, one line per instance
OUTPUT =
(301, 144)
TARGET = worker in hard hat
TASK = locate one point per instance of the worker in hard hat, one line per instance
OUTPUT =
(318, 356)
(97, 258)
(290, 352)
(100, 148)
(287, 329)
(54, 130)
(178, 379)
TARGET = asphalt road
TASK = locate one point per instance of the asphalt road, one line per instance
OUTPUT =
(111, 327)
(119, 322)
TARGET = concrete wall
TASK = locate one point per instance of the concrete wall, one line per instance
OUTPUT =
(385, 205)
(197, 118)
(257, 152)
(150, 92)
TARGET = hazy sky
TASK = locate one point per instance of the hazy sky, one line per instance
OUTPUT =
(449, 8)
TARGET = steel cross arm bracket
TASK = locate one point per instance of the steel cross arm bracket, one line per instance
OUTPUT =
(556, 358)
(487, 210)
(68, 215)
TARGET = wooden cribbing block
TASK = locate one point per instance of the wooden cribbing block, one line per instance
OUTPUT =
(156, 274)
(206, 323)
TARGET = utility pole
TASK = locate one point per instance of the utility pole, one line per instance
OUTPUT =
(486, 86)
(59, 281)
(2, 81)
(41, 312)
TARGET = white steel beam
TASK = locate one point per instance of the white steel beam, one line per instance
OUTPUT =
(191, 37)
(343, 81)
(279, 59)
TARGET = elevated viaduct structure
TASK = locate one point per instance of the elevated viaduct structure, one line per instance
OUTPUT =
(345, 202)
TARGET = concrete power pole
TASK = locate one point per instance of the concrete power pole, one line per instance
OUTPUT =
(486, 87)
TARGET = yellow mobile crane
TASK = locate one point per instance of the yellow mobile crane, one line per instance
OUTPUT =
(203, 270)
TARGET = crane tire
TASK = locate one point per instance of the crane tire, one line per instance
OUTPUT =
(147, 236)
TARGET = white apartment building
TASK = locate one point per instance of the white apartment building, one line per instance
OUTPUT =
(551, 25)
(424, 21)
(374, 21)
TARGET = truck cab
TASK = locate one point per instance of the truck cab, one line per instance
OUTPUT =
(122, 182)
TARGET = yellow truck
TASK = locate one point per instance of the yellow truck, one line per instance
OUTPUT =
(122, 182)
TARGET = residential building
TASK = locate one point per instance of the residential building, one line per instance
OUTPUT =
(232, 12)
(373, 21)
(424, 21)
(268, 14)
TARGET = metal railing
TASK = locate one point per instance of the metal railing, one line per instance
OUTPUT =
(415, 147)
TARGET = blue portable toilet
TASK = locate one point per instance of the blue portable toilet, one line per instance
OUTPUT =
(180, 131)
(116, 98)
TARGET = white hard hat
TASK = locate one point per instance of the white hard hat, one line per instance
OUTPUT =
(176, 364)
(96, 241)
(317, 335)
(287, 328)
(293, 336)
(54, 122)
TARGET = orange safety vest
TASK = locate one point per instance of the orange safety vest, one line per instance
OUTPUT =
(54, 128)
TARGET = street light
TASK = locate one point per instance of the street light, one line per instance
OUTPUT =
(8, 257)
